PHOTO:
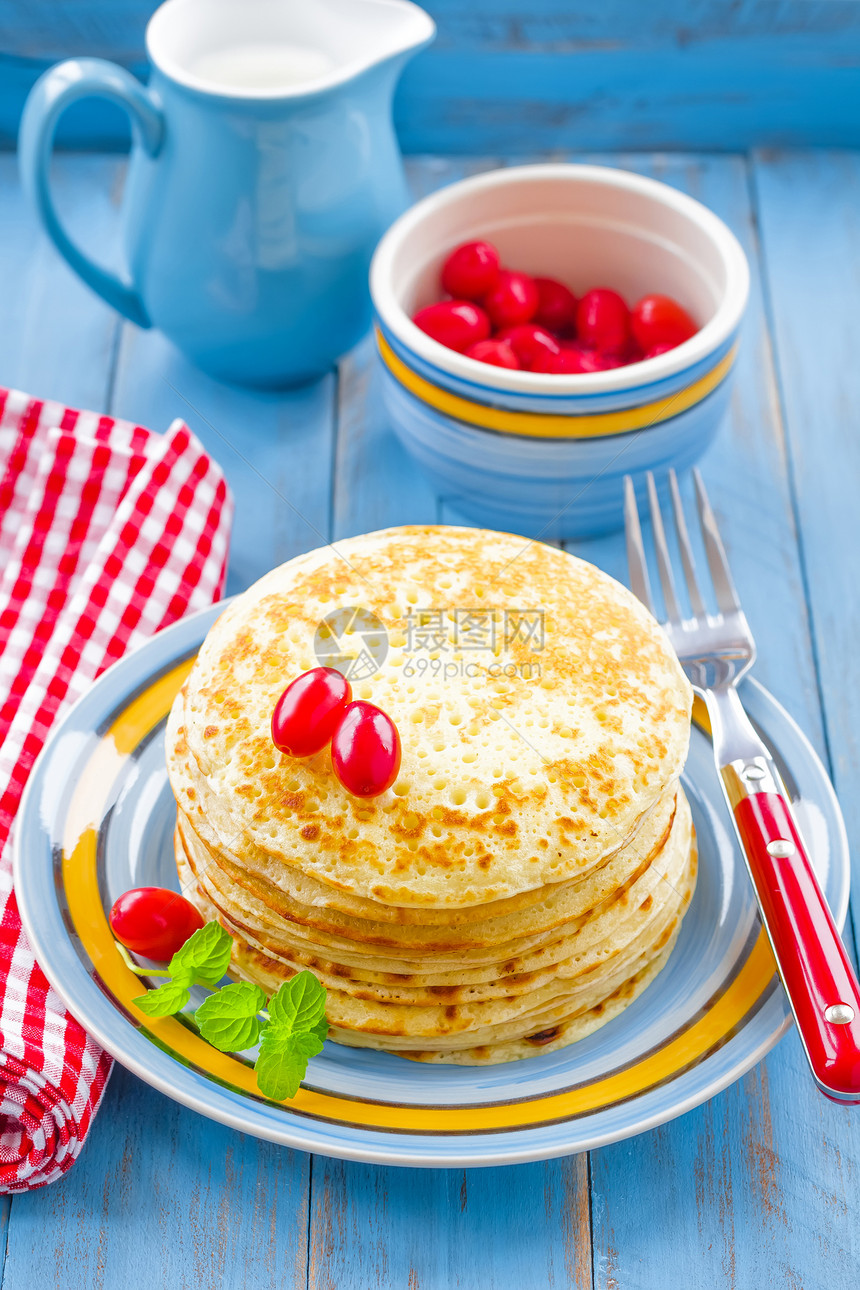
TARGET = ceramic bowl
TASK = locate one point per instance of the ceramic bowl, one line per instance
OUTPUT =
(539, 454)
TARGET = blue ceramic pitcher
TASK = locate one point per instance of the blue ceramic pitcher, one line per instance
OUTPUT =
(263, 171)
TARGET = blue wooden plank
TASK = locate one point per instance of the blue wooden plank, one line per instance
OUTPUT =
(276, 449)
(808, 208)
(56, 338)
(507, 74)
(525, 1227)
(164, 1199)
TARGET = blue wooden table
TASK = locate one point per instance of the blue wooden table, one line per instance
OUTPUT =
(760, 1187)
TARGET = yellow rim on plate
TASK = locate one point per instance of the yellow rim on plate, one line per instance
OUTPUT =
(549, 425)
(80, 878)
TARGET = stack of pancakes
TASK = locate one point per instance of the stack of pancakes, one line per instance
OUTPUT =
(526, 875)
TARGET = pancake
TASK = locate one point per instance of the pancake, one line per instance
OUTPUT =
(559, 904)
(525, 877)
(223, 835)
(396, 1028)
(606, 927)
(518, 770)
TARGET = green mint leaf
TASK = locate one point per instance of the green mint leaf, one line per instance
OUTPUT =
(205, 955)
(320, 1030)
(299, 1004)
(168, 998)
(283, 1062)
(228, 1020)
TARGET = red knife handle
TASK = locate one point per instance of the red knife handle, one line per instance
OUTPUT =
(817, 974)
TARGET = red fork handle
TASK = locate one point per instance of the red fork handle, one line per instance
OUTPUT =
(817, 974)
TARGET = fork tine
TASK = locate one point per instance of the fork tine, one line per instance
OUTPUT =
(640, 583)
(664, 564)
(724, 588)
(696, 603)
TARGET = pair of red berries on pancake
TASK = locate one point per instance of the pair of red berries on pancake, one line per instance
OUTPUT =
(509, 319)
(316, 709)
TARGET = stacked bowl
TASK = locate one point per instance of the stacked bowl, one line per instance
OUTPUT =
(545, 455)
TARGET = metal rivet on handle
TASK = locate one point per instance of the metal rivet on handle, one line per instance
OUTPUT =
(781, 847)
(839, 1013)
(754, 772)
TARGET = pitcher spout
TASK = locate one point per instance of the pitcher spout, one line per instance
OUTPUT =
(265, 50)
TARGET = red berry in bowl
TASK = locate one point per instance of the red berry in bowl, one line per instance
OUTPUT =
(514, 299)
(497, 352)
(471, 271)
(573, 360)
(454, 323)
(657, 350)
(660, 320)
(528, 341)
(308, 712)
(603, 321)
(153, 921)
(556, 307)
(365, 750)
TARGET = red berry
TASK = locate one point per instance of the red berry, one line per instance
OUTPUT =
(660, 320)
(657, 350)
(455, 323)
(603, 321)
(528, 341)
(471, 271)
(365, 750)
(153, 921)
(513, 300)
(307, 713)
(498, 352)
(574, 360)
(556, 306)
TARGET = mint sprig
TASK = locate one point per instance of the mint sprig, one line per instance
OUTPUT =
(289, 1034)
(228, 1020)
(203, 959)
(293, 1034)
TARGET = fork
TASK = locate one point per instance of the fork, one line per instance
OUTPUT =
(715, 651)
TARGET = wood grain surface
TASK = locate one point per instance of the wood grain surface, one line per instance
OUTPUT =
(528, 74)
(761, 1186)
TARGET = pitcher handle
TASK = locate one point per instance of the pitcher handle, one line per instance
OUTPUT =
(53, 92)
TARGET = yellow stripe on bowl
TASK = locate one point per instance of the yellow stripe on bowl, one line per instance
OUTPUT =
(549, 425)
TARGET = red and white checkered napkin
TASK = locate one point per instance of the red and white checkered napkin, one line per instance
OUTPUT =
(108, 532)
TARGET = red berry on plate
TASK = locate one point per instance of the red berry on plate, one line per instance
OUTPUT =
(498, 352)
(573, 360)
(153, 921)
(603, 321)
(307, 713)
(660, 320)
(514, 299)
(365, 750)
(455, 323)
(471, 271)
(556, 307)
(528, 341)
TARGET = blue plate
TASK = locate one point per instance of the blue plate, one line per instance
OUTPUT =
(97, 818)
